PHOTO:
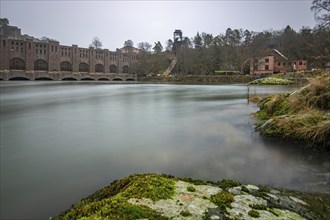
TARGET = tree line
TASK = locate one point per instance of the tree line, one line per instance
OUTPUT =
(205, 53)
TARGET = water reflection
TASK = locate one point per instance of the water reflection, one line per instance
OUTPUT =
(60, 141)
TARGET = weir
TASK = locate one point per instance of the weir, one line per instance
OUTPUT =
(58, 76)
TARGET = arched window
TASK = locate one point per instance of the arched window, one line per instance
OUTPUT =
(40, 65)
(17, 64)
(83, 67)
(99, 68)
(66, 66)
(113, 69)
(125, 69)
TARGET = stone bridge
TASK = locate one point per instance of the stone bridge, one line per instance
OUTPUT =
(45, 75)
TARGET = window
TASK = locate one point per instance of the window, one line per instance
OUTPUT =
(29, 45)
(125, 69)
(300, 63)
(99, 68)
(4, 43)
(266, 67)
(267, 60)
(17, 64)
(40, 65)
(113, 69)
(44, 51)
(21, 49)
(52, 48)
(66, 66)
(279, 64)
(37, 51)
(83, 67)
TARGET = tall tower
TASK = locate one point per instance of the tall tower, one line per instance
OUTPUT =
(177, 40)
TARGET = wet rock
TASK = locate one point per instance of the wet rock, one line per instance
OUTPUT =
(185, 203)
(235, 190)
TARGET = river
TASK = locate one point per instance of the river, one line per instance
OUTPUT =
(61, 141)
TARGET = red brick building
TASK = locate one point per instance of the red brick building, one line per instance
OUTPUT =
(275, 62)
(24, 53)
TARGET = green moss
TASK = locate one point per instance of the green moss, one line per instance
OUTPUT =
(185, 213)
(264, 189)
(245, 189)
(222, 200)
(151, 186)
(129, 211)
(258, 207)
(111, 201)
(191, 189)
(272, 211)
(227, 183)
(195, 181)
(253, 213)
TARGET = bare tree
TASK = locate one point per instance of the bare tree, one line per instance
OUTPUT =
(144, 46)
(321, 10)
(96, 43)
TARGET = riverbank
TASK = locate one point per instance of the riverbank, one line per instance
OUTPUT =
(302, 115)
(152, 196)
(281, 78)
(199, 79)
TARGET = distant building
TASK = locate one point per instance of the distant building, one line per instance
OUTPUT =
(25, 53)
(275, 62)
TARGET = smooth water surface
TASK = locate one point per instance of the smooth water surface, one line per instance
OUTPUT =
(61, 141)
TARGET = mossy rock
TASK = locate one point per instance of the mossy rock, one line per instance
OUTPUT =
(111, 201)
(151, 196)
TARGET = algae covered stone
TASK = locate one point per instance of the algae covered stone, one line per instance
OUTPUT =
(152, 196)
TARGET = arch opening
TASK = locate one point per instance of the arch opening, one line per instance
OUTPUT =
(87, 78)
(69, 79)
(16, 64)
(44, 79)
(99, 68)
(66, 66)
(18, 78)
(103, 79)
(113, 69)
(40, 65)
(117, 79)
(83, 67)
(125, 69)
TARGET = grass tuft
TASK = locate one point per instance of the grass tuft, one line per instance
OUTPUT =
(302, 115)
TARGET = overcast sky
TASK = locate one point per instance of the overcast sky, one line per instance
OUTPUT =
(114, 22)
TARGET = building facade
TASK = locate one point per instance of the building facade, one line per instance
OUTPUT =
(35, 57)
(275, 62)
